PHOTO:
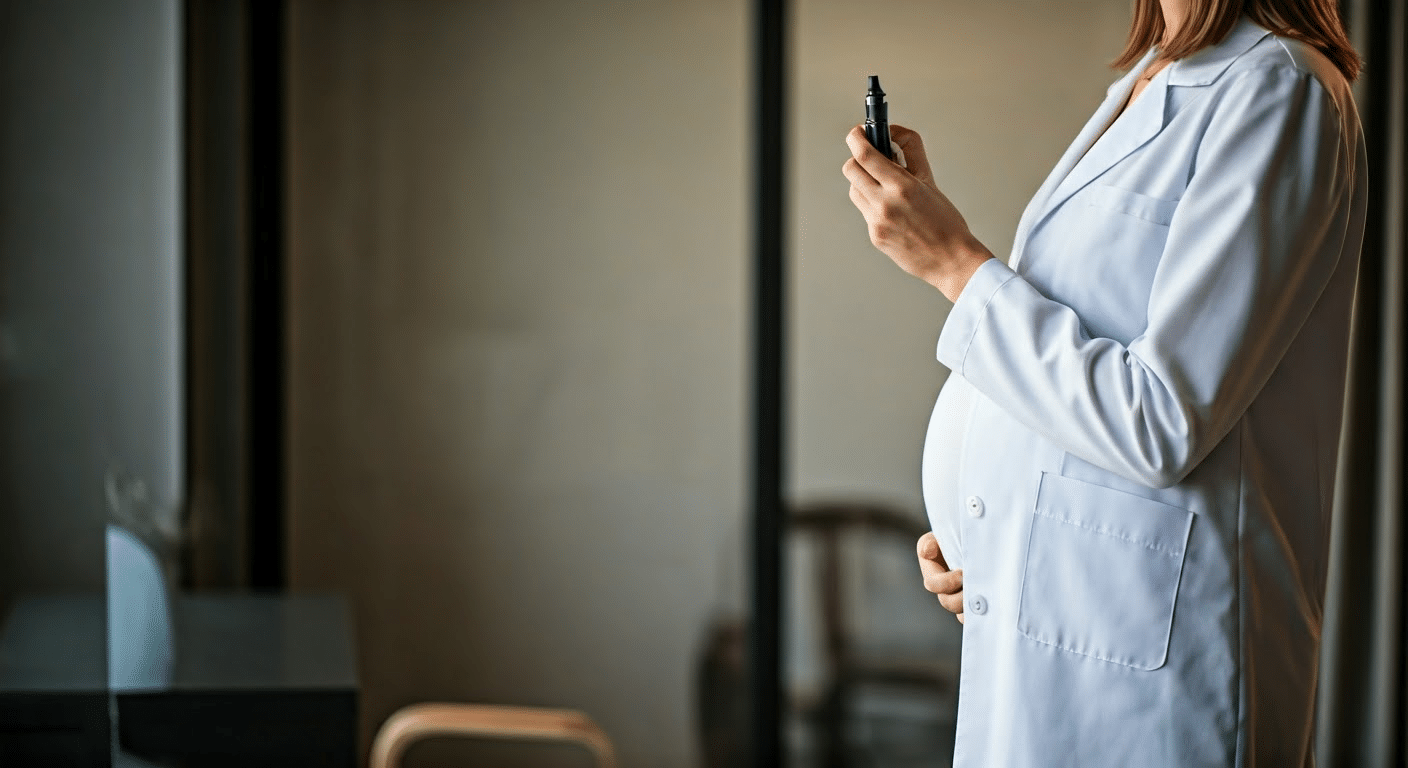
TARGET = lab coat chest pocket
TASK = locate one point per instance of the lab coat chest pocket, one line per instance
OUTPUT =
(1108, 242)
(1151, 209)
(1102, 572)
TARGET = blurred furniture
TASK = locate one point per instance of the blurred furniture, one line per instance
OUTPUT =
(268, 680)
(721, 691)
(53, 682)
(424, 721)
(847, 669)
(254, 680)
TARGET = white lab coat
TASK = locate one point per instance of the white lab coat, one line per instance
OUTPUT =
(1147, 471)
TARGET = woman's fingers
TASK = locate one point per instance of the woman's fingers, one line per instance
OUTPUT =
(880, 168)
(942, 582)
(916, 159)
(907, 138)
(928, 547)
(945, 584)
(859, 178)
(937, 577)
(952, 603)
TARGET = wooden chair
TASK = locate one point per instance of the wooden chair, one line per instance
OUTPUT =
(847, 671)
(424, 721)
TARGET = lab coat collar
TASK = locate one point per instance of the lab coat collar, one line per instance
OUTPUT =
(1205, 66)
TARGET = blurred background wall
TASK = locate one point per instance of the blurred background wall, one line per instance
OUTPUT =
(518, 249)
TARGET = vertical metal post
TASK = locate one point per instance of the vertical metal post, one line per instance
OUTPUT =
(769, 310)
(265, 60)
(216, 266)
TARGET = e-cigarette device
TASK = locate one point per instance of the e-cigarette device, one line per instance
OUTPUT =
(877, 118)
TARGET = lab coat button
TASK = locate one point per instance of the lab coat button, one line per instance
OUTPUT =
(975, 506)
(977, 605)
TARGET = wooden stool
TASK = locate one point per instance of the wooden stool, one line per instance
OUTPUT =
(423, 721)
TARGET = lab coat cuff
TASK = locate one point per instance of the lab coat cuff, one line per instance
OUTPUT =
(968, 312)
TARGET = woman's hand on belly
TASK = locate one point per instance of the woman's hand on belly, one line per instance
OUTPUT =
(909, 219)
(946, 584)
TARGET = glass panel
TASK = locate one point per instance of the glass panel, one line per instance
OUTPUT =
(997, 90)
(89, 351)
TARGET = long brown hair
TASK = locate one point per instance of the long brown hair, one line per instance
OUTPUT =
(1314, 22)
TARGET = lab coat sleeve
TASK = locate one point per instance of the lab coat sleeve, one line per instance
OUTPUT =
(1248, 252)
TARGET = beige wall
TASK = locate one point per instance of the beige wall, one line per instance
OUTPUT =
(998, 89)
(519, 249)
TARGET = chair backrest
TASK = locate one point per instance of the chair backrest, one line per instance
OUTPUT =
(829, 523)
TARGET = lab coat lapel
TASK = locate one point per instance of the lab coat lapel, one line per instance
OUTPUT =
(1140, 122)
(1041, 202)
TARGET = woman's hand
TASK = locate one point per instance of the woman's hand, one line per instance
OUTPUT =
(946, 584)
(909, 219)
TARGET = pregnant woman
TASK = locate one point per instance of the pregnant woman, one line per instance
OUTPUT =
(1134, 455)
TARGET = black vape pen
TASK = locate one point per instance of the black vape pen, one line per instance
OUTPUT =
(877, 118)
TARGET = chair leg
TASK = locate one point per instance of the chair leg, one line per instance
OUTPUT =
(422, 721)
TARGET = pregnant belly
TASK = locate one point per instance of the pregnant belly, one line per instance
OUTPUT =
(943, 451)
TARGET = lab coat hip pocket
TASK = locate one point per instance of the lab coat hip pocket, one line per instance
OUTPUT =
(1102, 572)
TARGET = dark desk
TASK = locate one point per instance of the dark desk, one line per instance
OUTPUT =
(53, 683)
(268, 681)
